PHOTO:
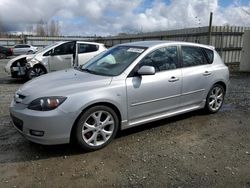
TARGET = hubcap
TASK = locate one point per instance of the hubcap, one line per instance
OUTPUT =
(35, 72)
(98, 128)
(216, 98)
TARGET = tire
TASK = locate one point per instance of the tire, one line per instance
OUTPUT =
(30, 52)
(92, 133)
(35, 72)
(215, 99)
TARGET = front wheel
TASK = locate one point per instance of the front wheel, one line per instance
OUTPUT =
(96, 128)
(215, 99)
(35, 72)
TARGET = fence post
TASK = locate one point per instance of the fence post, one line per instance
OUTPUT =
(210, 28)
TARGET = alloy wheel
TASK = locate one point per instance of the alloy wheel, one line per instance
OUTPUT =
(215, 99)
(36, 71)
(98, 128)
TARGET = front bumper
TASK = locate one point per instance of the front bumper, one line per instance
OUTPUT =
(55, 124)
(18, 72)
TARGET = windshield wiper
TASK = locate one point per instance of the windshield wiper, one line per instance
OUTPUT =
(87, 70)
(93, 72)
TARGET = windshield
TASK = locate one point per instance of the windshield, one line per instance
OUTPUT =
(47, 47)
(114, 61)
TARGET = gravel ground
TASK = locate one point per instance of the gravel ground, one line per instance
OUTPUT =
(190, 150)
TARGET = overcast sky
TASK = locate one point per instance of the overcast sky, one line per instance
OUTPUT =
(109, 17)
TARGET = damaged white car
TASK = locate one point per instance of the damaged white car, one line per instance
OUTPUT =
(58, 56)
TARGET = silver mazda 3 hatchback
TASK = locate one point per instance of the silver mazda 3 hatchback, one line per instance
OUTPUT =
(128, 85)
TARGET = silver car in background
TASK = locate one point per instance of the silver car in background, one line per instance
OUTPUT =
(21, 49)
(128, 85)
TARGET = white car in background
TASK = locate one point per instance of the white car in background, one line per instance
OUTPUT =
(58, 56)
(20, 49)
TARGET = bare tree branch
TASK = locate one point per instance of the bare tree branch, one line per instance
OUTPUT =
(245, 9)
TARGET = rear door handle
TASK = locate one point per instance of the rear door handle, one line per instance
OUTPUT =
(206, 73)
(173, 79)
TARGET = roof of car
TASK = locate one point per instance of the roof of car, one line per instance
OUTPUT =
(160, 42)
(79, 41)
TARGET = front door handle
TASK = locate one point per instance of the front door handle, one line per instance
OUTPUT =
(173, 79)
(206, 73)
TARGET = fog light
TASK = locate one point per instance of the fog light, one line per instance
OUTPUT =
(36, 133)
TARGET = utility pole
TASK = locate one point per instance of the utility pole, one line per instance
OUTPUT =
(210, 28)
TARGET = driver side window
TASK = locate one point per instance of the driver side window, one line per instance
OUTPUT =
(162, 59)
(65, 49)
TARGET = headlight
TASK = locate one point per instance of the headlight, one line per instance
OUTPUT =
(46, 103)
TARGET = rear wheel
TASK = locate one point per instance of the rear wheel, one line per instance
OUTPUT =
(30, 52)
(36, 71)
(96, 128)
(215, 99)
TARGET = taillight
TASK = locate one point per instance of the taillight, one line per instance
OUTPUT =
(11, 51)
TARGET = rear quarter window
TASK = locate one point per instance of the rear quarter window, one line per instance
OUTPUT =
(192, 56)
(209, 54)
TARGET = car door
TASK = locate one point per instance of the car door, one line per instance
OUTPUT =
(17, 50)
(197, 75)
(152, 95)
(25, 49)
(62, 56)
(85, 52)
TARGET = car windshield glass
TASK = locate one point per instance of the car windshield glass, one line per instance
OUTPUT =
(114, 61)
(47, 47)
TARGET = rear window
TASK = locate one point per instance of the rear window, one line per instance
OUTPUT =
(209, 54)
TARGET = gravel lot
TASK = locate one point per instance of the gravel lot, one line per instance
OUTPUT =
(191, 150)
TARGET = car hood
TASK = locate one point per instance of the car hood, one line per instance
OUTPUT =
(8, 65)
(62, 83)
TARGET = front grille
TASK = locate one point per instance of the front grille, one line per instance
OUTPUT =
(17, 122)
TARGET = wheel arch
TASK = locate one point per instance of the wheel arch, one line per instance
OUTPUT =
(223, 84)
(108, 104)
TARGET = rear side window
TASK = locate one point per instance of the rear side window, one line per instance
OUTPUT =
(209, 54)
(192, 56)
(22, 46)
(85, 48)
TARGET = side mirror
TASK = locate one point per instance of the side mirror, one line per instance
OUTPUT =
(146, 70)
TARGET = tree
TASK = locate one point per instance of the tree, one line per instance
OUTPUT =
(54, 29)
(40, 29)
(244, 9)
(47, 28)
